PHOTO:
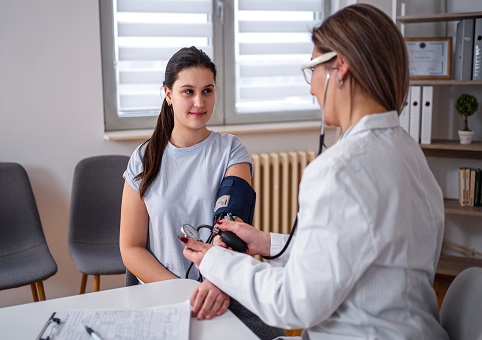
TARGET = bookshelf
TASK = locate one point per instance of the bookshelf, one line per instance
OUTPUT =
(453, 265)
(452, 207)
(452, 149)
(445, 82)
(438, 17)
(450, 266)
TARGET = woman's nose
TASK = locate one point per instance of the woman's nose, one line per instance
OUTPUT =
(198, 101)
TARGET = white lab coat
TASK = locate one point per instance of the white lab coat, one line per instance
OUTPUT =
(362, 264)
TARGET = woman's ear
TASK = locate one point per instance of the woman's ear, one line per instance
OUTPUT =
(168, 94)
(342, 66)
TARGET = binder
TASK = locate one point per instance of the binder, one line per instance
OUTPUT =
(478, 178)
(405, 114)
(415, 112)
(426, 127)
(464, 49)
(477, 58)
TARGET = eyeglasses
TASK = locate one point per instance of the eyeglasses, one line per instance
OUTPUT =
(309, 67)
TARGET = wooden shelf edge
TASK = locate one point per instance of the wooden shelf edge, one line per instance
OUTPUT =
(444, 82)
(453, 149)
(454, 265)
(437, 17)
(441, 144)
(452, 207)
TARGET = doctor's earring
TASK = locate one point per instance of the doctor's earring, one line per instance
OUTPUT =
(339, 81)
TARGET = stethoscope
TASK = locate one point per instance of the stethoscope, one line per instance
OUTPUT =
(320, 150)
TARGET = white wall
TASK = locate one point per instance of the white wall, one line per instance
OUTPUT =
(51, 116)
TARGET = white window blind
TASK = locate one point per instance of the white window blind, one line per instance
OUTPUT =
(272, 40)
(147, 34)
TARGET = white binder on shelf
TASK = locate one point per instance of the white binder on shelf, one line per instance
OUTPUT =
(415, 112)
(426, 127)
(464, 49)
(405, 114)
(477, 57)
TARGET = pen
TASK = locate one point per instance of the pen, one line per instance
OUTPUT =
(92, 333)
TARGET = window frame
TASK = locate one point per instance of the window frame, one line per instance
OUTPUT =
(223, 56)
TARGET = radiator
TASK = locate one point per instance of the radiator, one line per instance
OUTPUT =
(276, 181)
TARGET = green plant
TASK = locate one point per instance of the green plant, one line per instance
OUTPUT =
(466, 106)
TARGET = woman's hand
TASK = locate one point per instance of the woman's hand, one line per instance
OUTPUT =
(259, 242)
(208, 301)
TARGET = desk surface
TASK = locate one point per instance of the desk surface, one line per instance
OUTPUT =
(26, 321)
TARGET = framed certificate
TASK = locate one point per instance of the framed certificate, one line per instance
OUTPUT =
(430, 58)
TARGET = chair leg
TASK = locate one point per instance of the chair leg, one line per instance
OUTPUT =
(96, 283)
(41, 291)
(83, 283)
(34, 292)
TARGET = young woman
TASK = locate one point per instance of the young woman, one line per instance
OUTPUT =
(371, 217)
(172, 179)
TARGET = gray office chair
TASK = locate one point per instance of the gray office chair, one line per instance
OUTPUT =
(131, 279)
(461, 311)
(25, 258)
(95, 217)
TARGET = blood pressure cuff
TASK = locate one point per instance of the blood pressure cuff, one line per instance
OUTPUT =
(237, 197)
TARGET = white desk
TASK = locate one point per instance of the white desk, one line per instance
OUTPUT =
(26, 321)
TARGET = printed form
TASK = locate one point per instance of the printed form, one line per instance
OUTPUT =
(161, 322)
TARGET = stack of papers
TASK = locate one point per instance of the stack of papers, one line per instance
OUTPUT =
(161, 322)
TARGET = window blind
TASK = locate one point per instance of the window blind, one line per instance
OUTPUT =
(147, 33)
(272, 40)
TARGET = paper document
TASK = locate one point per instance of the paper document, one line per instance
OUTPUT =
(161, 322)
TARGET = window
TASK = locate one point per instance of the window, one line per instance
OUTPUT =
(257, 46)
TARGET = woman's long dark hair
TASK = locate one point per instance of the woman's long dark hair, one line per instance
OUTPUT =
(187, 57)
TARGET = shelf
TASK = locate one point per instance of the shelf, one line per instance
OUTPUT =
(438, 17)
(445, 82)
(452, 149)
(452, 207)
(454, 265)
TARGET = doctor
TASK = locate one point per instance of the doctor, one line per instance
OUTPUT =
(371, 215)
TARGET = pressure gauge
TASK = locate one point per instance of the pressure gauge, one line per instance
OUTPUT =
(188, 231)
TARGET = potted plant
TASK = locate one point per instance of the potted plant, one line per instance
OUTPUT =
(466, 106)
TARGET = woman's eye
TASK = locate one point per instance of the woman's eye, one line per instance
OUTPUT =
(189, 91)
(208, 91)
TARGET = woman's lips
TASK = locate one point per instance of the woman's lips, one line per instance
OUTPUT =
(197, 114)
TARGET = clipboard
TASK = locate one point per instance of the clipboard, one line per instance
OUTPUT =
(50, 328)
(159, 322)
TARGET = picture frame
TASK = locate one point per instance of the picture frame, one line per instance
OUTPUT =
(429, 58)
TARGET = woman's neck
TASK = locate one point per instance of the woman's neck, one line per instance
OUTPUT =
(184, 138)
(358, 107)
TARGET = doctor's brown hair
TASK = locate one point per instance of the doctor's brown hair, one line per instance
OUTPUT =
(185, 58)
(374, 48)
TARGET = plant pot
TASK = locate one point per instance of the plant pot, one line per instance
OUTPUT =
(465, 136)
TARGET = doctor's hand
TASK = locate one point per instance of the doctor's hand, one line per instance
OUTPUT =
(259, 242)
(208, 301)
(195, 250)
